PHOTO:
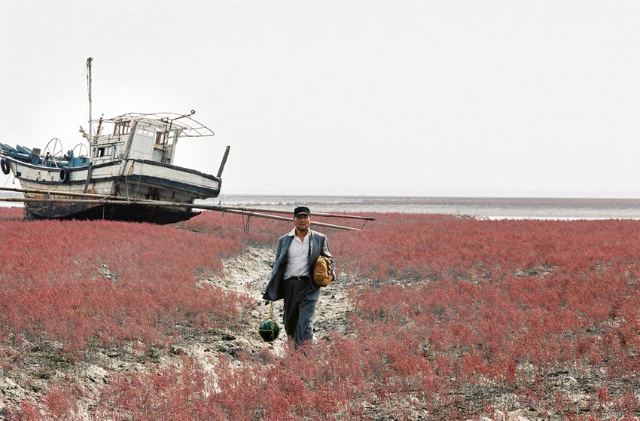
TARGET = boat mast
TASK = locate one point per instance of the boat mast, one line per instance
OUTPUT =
(89, 60)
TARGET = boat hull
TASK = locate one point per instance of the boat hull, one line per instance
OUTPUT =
(112, 212)
(132, 179)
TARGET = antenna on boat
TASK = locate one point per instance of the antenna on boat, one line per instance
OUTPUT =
(89, 60)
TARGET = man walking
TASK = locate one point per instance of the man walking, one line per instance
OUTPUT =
(292, 275)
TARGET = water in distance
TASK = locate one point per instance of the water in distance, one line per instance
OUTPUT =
(491, 208)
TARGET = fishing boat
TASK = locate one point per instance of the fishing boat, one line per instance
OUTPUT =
(129, 160)
(126, 173)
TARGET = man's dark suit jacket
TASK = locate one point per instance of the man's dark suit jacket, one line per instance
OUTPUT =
(318, 245)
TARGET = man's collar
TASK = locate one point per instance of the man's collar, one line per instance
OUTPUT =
(292, 233)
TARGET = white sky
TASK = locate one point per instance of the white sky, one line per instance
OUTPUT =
(392, 97)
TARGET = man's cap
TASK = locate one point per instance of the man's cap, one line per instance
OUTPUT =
(300, 210)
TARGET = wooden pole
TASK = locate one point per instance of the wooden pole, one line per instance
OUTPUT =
(286, 212)
(61, 193)
(190, 205)
(282, 218)
(119, 201)
(224, 161)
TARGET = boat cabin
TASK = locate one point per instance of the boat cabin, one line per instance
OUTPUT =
(135, 138)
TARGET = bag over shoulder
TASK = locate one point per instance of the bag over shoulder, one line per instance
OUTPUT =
(322, 274)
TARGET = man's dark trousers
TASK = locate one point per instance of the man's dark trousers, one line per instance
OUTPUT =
(300, 298)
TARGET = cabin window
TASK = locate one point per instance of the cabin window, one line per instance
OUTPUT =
(145, 131)
(102, 152)
(122, 127)
(161, 138)
(165, 138)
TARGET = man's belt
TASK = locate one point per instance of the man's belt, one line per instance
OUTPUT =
(300, 278)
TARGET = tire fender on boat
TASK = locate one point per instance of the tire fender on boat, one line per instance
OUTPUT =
(64, 174)
(5, 166)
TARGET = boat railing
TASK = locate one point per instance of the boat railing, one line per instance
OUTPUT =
(189, 126)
